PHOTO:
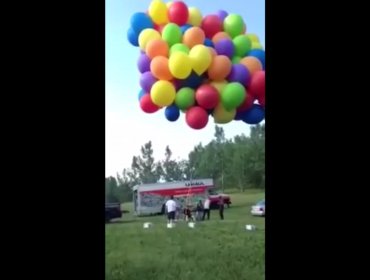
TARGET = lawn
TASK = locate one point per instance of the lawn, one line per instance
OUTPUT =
(214, 249)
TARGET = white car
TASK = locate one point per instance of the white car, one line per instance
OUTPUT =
(259, 209)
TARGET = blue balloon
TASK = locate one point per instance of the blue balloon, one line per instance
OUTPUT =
(141, 93)
(260, 54)
(132, 37)
(193, 81)
(209, 43)
(254, 115)
(140, 21)
(185, 27)
(172, 113)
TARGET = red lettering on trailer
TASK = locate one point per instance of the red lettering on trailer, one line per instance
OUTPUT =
(177, 191)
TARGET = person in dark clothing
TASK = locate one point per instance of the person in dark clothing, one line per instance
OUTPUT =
(206, 208)
(221, 207)
(187, 214)
(199, 211)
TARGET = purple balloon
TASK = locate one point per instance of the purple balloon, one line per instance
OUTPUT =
(225, 47)
(239, 73)
(143, 63)
(239, 116)
(177, 84)
(146, 81)
(222, 14)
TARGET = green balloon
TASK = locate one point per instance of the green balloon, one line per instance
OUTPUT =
(233, 25)
(233, 95)
(236, 59)
(171, 33)
(185, 98)
(242, 45)
(179, 47)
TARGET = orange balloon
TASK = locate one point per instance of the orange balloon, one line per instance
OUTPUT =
(219, 36)
(219, 68)
(252, 64)
(156, 47)
(193, 36)
(159, 68)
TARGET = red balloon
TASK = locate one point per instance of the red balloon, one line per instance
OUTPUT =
(207, 96)
(178, 13)
(261, 101)
(257, 84)
(247, 104)
(211, 25)
(147, 105)
(159, 28)
(196, 117)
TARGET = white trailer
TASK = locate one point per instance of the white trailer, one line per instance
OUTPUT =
(150, 198)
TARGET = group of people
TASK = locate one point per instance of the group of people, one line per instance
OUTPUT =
(201, 210)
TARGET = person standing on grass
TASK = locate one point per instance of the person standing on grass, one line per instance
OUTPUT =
(206, 206)
(171, 209)
(199, 210)
(221, 207)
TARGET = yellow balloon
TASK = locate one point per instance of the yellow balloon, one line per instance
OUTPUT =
(256, 46)
(180, 65)
(168, 4)
(163, 93)
(219, 85)
(158, 12)
(146, 36)
(201, 58)
(253, 37)
(195, 16)
(222, 116)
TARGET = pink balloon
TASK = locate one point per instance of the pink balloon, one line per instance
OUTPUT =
(147, 105)
(196, 117)
(207, 96)
(261, 101)
(178, 13)
(211, 25)
(257, 84)
(247, 104)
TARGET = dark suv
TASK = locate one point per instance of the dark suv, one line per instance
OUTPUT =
(112, 211)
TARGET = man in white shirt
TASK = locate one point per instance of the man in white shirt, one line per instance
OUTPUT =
(171, 209)
(206, 206)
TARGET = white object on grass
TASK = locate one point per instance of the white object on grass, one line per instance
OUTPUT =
(191, 224)
(170, 225)
(147, 225)
(250, 227)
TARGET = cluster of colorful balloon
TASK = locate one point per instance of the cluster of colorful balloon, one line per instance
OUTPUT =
(198, 65)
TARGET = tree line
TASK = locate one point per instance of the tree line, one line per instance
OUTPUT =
(231, 163)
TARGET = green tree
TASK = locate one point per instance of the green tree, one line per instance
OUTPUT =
(111, 195)
(256, 157)
(144, 168)
(171, 171)
(125, 185)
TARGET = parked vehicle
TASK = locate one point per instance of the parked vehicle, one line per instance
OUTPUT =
(112, 211)
(215, 197)
(259, 209)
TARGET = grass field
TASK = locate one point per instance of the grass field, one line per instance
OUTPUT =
(214, 249)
